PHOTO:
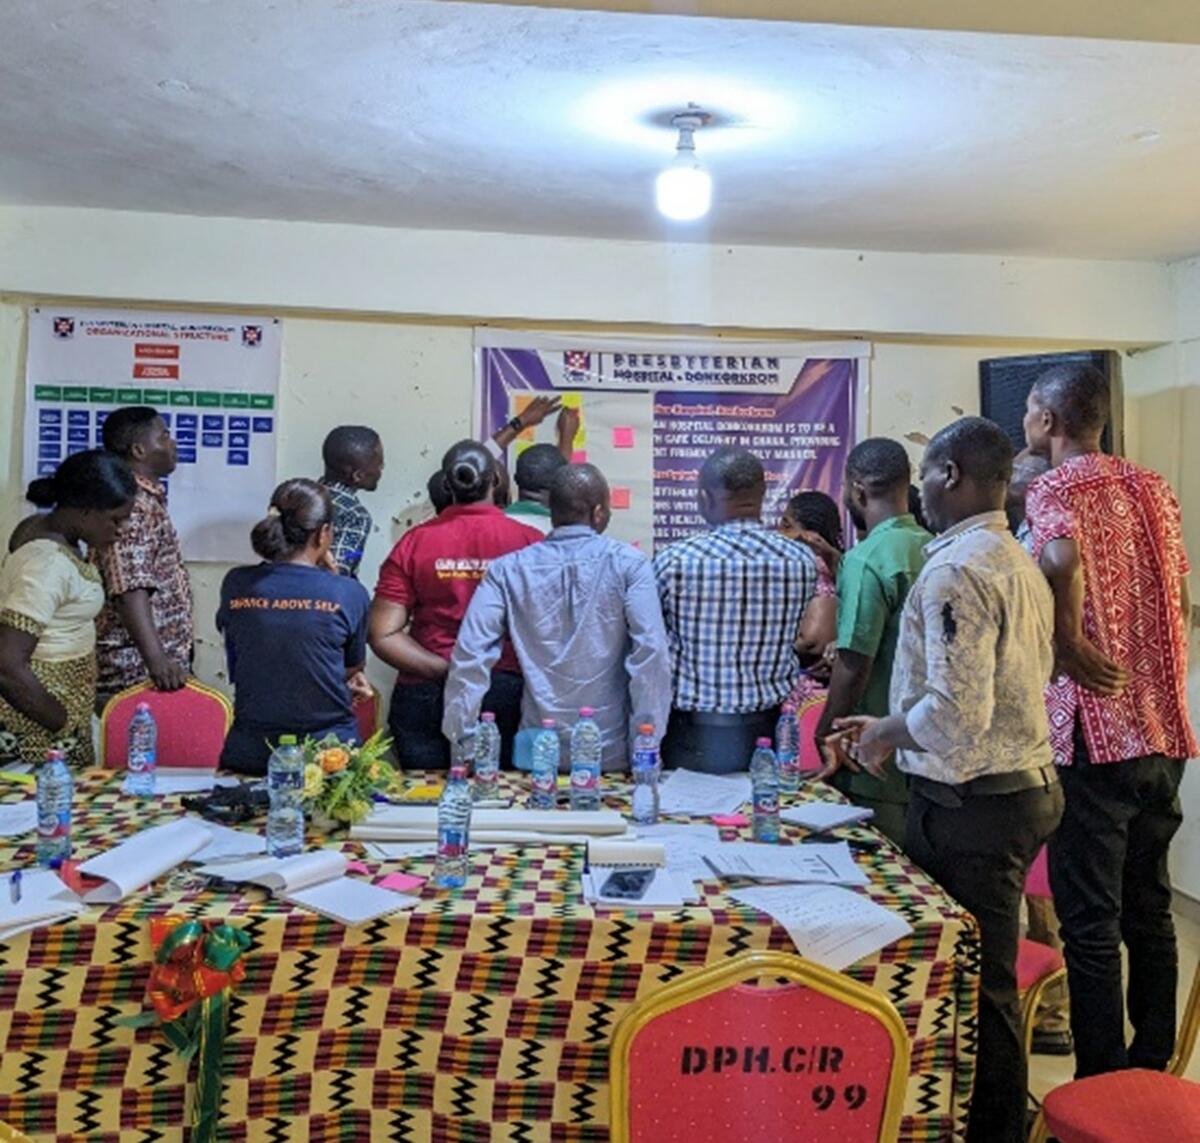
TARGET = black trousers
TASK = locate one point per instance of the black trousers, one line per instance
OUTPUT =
(715, 744)
(1108, 870)
(980, 853)
(415, 720)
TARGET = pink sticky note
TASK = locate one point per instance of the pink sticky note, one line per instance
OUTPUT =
(400, 882)
(357, 867)
(730, 819)
(619, 498)
(622, 437)
(579, 456)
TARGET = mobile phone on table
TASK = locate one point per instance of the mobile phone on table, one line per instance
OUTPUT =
(627, 884)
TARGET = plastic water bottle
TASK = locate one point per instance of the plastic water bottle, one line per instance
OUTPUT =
(285, 784)
(787, 749)
(454, 831)
(544, 794)
(585, 762)
(55, 790)
(645, 776)
(487, 758)
(764, 778)
(142, 755)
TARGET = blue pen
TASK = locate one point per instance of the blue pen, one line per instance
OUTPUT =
(14, 886)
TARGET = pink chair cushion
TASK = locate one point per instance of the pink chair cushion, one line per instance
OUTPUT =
(366, 717)
(191, 727)
(1037, 882)
(1133, 1106)
(808, 716)
(786, 1064)
(1035, 961)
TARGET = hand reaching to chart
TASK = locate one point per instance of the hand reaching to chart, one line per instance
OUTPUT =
(567, 428)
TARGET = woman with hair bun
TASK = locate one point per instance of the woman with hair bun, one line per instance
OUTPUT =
(424, 588)
(295, 632)
(49, 599)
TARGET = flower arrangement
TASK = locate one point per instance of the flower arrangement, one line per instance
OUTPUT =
(341, 779)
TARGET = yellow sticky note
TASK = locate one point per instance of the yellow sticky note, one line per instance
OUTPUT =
(422, 793)
(572, 400)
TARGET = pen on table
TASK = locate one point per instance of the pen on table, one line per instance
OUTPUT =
(14, 886)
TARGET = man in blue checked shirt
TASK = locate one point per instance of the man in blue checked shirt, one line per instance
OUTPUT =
(353, 456)
(732, 598)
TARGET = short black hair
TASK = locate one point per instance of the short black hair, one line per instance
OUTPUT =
(576, 490)
(94, 480)
(537, 467)
(735, 471)
(348, 447)
(915, 508)
(980, 448)
(1078, 395)
(816, 512)
(880, 464)
(123, 428)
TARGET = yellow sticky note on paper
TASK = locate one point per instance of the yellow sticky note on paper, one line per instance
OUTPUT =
(423, 793)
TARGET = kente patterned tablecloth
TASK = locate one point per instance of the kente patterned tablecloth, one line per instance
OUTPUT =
(483, 1014)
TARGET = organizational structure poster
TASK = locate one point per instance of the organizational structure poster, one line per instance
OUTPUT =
(652, 410)
(214, 378)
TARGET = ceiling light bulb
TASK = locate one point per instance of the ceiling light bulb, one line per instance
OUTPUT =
(683, 192)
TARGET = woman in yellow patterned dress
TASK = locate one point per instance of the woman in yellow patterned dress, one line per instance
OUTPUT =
(49, 599)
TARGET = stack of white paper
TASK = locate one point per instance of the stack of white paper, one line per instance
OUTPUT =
(17, 818)
(686, 846)
(515, 827)
(171, 780)
(831, 864)
(44, 900)
(821, 816)
(144, 857)
(835, 927)
(316, 880)
(665, 891)
(702, 795)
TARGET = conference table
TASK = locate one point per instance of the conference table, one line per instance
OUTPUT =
(484, 1013)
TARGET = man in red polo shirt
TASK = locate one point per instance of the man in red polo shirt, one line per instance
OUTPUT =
(422, 594)
(1108, 535)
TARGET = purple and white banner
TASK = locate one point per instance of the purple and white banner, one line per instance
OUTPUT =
(653, 410)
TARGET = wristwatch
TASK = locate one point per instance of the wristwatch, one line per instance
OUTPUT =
(515, 424)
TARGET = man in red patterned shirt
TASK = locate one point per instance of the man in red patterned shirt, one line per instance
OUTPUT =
(1108, 535)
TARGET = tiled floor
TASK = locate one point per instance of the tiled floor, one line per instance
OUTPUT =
(1047, 1072)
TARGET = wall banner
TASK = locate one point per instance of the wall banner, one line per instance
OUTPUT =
(653, 410)
(213, 377)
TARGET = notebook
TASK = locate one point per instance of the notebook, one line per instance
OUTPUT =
(315, 880)
(45, 900)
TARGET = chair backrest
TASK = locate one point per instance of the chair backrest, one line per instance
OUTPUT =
(808, 716)
(192, 724)
(820, 1059)
(1189, 1026)
(366, 715)
(1037, 880)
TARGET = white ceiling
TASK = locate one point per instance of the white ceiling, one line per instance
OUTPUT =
(487, 117)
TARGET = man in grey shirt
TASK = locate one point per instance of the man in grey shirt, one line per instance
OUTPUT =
(969, 723)
(583, 615)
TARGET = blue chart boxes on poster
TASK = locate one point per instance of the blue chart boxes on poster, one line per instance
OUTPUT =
(214, 378)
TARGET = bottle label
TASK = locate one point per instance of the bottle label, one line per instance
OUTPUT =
(544, 781)
(583, 778)
(645, 759)
(51, 825)
(766, 802)
(452, 844)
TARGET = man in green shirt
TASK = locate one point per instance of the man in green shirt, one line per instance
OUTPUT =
(873, 581)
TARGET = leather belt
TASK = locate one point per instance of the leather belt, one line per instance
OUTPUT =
(987, 785)
(725, 718)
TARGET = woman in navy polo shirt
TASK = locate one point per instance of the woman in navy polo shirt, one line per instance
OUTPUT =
(295, 632)
(428, 581)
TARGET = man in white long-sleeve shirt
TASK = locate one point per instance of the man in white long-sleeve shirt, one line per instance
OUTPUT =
(969, 724)
(583, 615)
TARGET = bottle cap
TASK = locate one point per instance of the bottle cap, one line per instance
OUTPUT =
(586, 711)
(646, 728)
(287, 740)
(143, 706)
(547, 724)
(54, 756)
(788, 708)
(763, 742)
(487, 716)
